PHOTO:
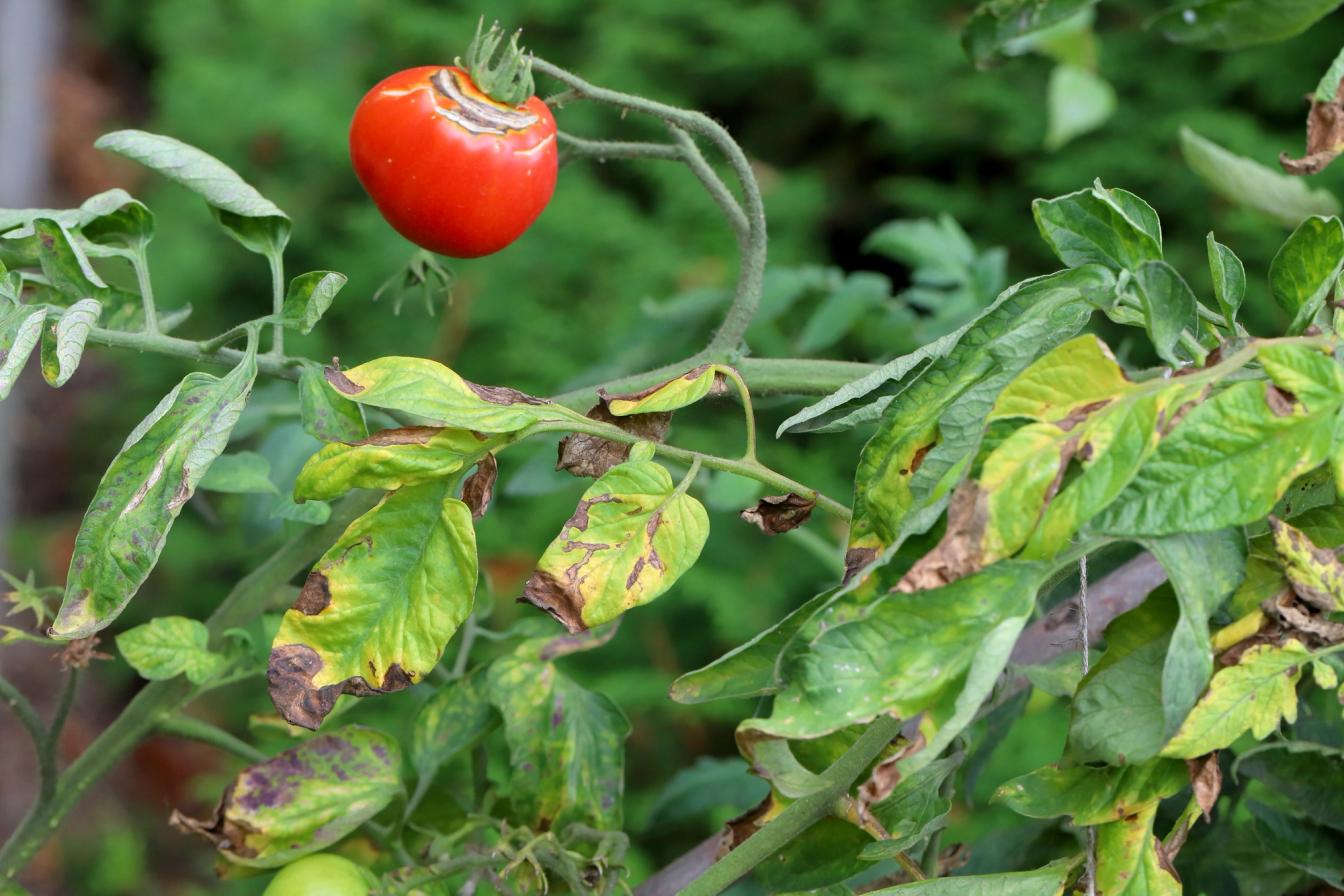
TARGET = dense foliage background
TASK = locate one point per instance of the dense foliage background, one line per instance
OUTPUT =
(855, 114)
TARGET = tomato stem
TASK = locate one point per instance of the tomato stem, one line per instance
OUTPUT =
(508, 80)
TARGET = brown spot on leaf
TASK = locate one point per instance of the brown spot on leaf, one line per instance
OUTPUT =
(1280, 401)
(587, 455)
(774, 514)
(503, 395)
(1325, 136)
(340, 382)
(480, 486)
(289, 678)
(315, 596)
(579, 518)
(405, 435)
(1206, 780)
(545, 592)
(957, 554)
(743, 826)
(918, 459)
(1081, 413)
(856, 559)
(884, 776)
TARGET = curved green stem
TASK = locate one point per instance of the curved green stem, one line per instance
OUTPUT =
(63, 705)
(141, 265)
(748, 411)
(276, 260)
(751, 274)
(283, 367)
(601, 150)
(32, 722)
(196, 729)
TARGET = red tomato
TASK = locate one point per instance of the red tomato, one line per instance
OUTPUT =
(451, 169)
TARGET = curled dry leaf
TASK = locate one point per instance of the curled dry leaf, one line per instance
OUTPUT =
(480, 486)
(774, 514)
(592, 456)
(1325, 137)
(1206, 780)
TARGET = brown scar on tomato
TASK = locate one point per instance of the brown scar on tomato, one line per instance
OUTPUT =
(477, 115)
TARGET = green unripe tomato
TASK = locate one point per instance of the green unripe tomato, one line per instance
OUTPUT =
(323, 874)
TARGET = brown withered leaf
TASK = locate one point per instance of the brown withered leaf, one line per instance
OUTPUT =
(1325, 136)
(79, 653)
(856, 559)
(591, 456)
(884, 776)
(957, 555)
(774, 514)
(480, 486)
(1206, 780)
(289, 679)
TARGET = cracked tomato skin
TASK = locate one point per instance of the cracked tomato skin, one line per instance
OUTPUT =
(451, 169)
(323, 874)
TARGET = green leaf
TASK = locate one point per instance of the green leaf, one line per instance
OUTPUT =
(1048, 881)
(1077, 101)
(457, 716)
(1305, 268)
(20, 329)
(390, 459)
(1128, 863)
(1229, 280)
(632, 536)
(1305, 846)
(914, 810)
(1204, 568)
(566, 746)
(1234, 24)
(997, 24)
(1093, 796)
(696, 793)
(933, 247)
(245, 214)
(1168, 306)
(380, 606)
(1285, 199)
(1111, 227)
(1252, 695)
(310, 513)
(168, 646)
(749, 670)
(677, 392)
(65, 265)
(1311, 780)
(303, 800)
(1316, 574)
(1027, 320)
(1117, 712)
(145, 487)
(857, 298)
(326, 416)
(428, 389)
(63, 341)
(907, 653)
(1328, 87)
(1225, 464)
(309, 297)
(824, 854)
(243, 473)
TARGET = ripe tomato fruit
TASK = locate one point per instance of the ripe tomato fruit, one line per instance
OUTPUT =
(323, 874)
(450, 168)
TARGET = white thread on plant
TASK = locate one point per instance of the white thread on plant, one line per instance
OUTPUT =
(1090, 832)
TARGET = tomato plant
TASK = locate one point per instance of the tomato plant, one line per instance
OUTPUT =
(1146, 541)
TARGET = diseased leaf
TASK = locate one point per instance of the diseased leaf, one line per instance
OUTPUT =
(326, 415)
(774, 514)
(1285, 199)
(566, 745)
(997, 25)
(380, 606)
(1254, 694)
(1110, 227)
(428, 389)
(244, 473)
(479, 488)
(20, 330)
(1128, 860)
(1305, 268)
(1093, 796)
(309, 297)
(112, 217)
(750, 669)
(63, 341)
(632, 536)
(1168, 306)
(677, 392)
(304, 799)
(1229, 280)
(245, 214)
(390, 459)
(1064, 382)
(65, 265)
(457, 716)
(582, 454)
(168, 646)
(913, 811)
(145, 487)
(1047, 881)
(1234, 24)
(1316, 574)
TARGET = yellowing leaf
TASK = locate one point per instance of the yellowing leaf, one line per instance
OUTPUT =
(1079, 373)
(428, 389)
(390, 459)
(1316, 574)
(676, 393)
(629, 540)
(1255, 694)
(379, 607)
(1093, 795)
(1128, 862)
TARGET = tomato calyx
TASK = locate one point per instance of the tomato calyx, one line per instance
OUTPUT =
(508, 80)
(476, 110)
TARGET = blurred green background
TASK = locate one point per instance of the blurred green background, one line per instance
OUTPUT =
(855, 113)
